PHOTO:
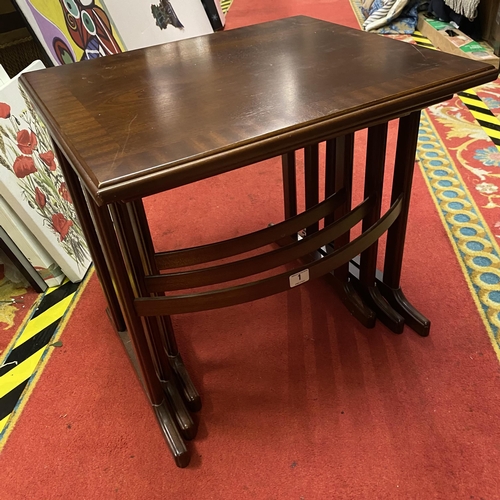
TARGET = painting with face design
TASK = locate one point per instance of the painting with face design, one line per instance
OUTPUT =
(72, 30)
(76, 30)
(90, 28)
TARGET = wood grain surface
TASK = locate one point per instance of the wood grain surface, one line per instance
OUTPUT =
(144, 121)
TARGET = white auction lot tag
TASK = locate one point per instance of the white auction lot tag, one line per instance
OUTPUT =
(299, 278)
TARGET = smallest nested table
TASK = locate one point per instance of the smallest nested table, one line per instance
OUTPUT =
(151, 120)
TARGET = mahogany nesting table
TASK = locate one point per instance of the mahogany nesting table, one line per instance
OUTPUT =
(150, 120)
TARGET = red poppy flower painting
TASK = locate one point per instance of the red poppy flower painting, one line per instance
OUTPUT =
(63, 191)
(32, 183)
(4, 110)
(48, 159)
(61, 225)
(40, 198)
(23, 166)
(26, 141)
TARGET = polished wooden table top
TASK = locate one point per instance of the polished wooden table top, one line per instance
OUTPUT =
(148, 120)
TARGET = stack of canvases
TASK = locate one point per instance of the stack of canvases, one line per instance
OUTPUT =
(36, 210)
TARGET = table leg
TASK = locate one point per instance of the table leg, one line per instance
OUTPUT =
(188, 390)
(403, 176)
(98, 259)
(191, 396)
(338, 174)
(141, 343)
(169, 347)
(374, 180)
(97, 221)
(289, 184)
(130, 237)
(330, 156)
(311, 181)
(340, 158)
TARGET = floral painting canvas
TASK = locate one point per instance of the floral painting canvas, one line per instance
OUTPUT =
(32, 183)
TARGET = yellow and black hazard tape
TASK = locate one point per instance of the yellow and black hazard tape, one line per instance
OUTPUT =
(483, 115)
(27, 351)
(422, 40)
(479, 110)
(225, 4)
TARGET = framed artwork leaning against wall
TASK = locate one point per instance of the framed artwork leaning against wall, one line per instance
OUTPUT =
(32, 183)
(76, 30)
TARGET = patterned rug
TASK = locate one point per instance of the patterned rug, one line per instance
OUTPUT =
(459, 157)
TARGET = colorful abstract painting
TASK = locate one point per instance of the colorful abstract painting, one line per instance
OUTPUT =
(72, 30)
(76, 30)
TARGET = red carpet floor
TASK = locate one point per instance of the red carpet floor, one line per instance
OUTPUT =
(300, 401)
